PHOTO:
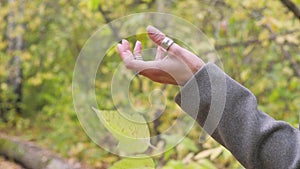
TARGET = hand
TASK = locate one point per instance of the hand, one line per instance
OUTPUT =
(175, 68)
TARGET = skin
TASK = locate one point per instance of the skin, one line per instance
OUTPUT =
(177, 67)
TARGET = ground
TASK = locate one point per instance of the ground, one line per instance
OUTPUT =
(6, 164)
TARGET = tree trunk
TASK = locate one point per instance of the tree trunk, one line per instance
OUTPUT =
(32, 156)
(15, 43)
(292, 7)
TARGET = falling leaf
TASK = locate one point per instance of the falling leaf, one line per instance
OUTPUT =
(133, 134)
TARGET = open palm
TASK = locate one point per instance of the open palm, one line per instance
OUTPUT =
(177, 67)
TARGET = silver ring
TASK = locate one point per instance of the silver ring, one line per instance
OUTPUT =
(166, 43)
(138, 58)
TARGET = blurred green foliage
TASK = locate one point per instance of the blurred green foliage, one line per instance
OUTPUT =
(258, 43)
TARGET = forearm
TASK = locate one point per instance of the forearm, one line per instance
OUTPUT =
(253, 137)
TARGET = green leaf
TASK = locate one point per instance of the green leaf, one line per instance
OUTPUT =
(133, 134)
(189, 145)
(134, 163)
(206, 164)
(172, 164)
(93, 4)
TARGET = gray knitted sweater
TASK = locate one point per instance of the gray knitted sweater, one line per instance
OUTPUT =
(228, 111)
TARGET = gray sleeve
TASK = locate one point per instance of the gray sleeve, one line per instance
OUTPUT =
(254, 138)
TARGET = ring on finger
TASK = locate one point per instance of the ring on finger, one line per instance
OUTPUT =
(166, 43)
(138, 58)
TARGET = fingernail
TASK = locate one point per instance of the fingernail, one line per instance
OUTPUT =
(119, 47)
(138, 43)
(151, 28)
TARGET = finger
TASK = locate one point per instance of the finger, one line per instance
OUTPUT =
(175, 50)
(137, 51)
(120, 50)
(125, 44)
(129, 60)
(159, 53)
(124, 54)
(157, 37)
